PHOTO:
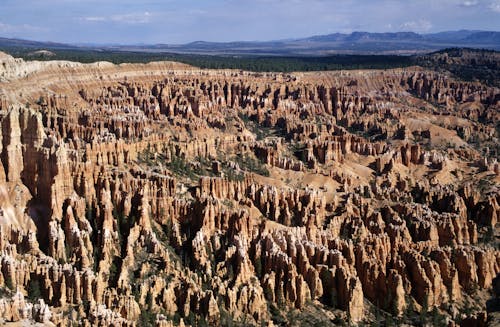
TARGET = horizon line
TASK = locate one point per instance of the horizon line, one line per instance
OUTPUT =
(81, 44)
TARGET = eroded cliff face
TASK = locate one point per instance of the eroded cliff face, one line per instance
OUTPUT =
(161, 194)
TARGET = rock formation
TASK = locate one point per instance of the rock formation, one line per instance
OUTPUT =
(161, 194)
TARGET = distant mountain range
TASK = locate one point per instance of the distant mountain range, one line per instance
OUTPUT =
(354, 43)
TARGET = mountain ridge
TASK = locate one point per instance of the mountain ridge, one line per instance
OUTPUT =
(335, 43)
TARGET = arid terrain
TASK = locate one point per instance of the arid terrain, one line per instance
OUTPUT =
(161, 194)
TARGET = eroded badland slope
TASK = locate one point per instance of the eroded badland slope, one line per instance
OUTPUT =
(162, 194)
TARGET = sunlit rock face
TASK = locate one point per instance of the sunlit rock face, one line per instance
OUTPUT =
(161, 194)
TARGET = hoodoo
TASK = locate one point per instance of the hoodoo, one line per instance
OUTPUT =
(163, 194)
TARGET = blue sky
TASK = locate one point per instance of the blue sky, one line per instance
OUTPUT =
(182, 21)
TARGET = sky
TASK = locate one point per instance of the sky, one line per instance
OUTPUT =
(184, 21)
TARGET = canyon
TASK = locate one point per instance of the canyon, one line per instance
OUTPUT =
(162, 194)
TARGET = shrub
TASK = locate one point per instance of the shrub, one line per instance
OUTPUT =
(34, 291)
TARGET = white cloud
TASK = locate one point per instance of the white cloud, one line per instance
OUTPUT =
(421, 25)
(130, 18)
(495, 6)
(470, 3)
(8, 28)
(94, 19)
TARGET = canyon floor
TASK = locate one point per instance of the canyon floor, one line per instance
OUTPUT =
(161, 194)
